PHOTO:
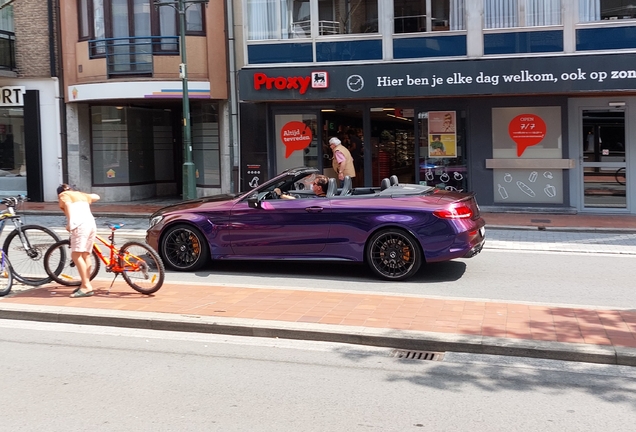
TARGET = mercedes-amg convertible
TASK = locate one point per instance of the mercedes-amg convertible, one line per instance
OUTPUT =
(394, 228)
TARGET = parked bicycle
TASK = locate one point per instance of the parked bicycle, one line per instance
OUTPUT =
(620, 176)
(6, 275)
(138, 263)
(26, 245)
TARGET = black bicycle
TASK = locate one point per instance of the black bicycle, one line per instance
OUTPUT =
(620, 176)
(26, 245)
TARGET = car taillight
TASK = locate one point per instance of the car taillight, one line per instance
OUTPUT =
(459, 212)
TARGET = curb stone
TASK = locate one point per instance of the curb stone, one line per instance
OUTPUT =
(403, 339)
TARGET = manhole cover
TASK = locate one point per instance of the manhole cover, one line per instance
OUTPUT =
(417, 355)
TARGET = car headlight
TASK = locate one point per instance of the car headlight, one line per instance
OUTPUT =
(155, 220)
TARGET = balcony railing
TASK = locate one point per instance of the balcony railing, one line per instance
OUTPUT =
(7, 50)
(132, 55)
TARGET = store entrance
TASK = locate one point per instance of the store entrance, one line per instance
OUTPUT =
(347, 125)
(381, 147)
(392, 145)
(604, 163)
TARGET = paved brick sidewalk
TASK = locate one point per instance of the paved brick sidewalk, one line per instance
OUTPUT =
(476, 321)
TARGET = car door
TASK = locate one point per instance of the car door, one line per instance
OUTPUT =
(280, 227)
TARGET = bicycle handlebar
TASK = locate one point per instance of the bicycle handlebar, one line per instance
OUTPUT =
(13, 201)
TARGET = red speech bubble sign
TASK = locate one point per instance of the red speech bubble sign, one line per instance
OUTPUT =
(526, 130)
(295, 136)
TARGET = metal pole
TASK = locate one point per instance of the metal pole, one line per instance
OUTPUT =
(189, 181)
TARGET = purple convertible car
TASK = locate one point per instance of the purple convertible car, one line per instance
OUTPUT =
(394, 228)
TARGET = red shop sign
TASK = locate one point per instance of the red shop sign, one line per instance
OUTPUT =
(526, 130)
(295, 135)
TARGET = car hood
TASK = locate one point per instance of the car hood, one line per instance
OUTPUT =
(195, 203)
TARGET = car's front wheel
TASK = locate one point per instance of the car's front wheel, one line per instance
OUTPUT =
(393, 254)
(184, 248)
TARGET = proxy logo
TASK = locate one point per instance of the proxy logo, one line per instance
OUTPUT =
(319, 79)
(316, 80)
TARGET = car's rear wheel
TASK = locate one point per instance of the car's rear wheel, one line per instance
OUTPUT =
(393, 254)
(184, 248)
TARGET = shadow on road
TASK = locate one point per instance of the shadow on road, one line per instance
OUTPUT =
(328, 270)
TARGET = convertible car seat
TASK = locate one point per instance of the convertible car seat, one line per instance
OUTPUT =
(385, 184)
(332, 187)
(346, 186)
(394, 180)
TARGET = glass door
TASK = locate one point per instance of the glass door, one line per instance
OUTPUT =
(604, 166)
(392, 145)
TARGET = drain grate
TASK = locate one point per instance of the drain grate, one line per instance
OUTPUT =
(417, 355)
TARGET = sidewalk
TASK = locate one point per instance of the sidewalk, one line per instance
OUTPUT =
(400, 321)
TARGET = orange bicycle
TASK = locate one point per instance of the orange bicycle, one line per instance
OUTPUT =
(137, 262)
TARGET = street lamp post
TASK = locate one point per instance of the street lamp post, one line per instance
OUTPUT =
(189, 180)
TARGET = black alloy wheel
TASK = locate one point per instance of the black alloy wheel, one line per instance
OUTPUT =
(184, 248)
(393, 254)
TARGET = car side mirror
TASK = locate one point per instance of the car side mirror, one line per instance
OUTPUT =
(253, 203)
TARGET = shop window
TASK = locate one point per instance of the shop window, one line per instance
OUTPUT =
(411, 16)
(521, 13)
(521, 137)
(12, 157)
(600, 10)
(289, 19)
(443, 150)
(131, 145)
(110, 145)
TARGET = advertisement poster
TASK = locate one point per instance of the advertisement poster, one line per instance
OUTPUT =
(442, 136)
(295, 135)
(526, 130)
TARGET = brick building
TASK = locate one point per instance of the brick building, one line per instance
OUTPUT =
(31, 131)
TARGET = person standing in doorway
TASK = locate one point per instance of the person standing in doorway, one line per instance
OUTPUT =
(80, 222)
(342, 162)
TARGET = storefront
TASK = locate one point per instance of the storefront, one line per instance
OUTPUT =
(29, 138)
(522, 133)
(125, 139)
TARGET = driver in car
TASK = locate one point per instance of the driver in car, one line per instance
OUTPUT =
(319, 186)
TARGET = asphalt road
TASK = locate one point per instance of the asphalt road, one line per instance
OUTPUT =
(61, 377)
(507, 275)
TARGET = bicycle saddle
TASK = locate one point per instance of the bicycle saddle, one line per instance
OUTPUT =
(113, 226)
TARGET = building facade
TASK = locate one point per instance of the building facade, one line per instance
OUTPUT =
(31, 132)
(528, 103)
(124, 97)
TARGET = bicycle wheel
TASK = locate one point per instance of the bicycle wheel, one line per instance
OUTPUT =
(6, 275)
(60, 266)
(620, 176)
(143, 269)
(28, 262)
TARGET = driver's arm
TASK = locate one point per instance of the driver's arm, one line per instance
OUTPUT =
(282, 195)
